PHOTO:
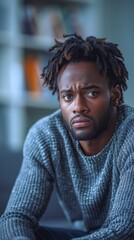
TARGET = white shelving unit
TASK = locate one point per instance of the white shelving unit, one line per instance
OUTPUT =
(11, 74)
(15, 99)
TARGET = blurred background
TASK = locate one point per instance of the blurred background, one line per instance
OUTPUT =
(27, 29)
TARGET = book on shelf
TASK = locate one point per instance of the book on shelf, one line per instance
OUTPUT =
(29, 22)
(71, 15)
(51, 21)
(32, 74)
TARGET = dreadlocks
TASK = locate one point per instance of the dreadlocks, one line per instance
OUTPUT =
(107, 56)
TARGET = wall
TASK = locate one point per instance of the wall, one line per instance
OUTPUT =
(117, 18)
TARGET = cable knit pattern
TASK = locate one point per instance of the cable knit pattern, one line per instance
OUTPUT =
(96, 192)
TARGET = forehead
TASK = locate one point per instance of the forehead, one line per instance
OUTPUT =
(82, 74)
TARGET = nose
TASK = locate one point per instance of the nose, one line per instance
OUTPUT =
(80, 105)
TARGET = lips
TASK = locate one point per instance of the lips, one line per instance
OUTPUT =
(81, 122)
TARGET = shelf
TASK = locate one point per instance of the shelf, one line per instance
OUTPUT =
(36, 42)
(27, 99)
(60, 2)
(26, 42)
(24, 52)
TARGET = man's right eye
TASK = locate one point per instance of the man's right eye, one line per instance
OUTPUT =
(67, 97)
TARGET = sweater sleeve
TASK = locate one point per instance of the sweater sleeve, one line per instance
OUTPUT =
(30, 193)
(121, 217)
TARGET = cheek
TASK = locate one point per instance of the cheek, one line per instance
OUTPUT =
(64, 113)
(64, 110)
(100, 105)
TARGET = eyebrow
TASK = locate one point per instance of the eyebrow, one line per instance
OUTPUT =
(90, 87)
(66, 90)
(83, 88)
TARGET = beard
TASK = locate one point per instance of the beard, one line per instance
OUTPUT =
(97, 126)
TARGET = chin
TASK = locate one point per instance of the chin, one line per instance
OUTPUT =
(83, 136)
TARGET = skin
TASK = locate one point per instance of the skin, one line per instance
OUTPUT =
(88, 105)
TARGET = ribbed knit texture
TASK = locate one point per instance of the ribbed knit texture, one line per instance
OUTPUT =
(95, 192)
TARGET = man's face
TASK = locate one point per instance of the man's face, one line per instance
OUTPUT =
(85, 100)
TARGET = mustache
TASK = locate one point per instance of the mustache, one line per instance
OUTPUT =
(84, 117)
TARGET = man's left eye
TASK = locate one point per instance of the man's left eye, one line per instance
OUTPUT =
(92, 94)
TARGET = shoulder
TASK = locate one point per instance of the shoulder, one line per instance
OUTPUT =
(125, 137)
(125, 128)
(126, 118)
(45, 130)
(48, 123)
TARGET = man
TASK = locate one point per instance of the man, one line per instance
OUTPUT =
(86, 148)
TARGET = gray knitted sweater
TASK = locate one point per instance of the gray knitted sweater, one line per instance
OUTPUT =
(95, 192)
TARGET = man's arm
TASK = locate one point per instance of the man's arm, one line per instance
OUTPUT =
(29, 196)
(121, 218)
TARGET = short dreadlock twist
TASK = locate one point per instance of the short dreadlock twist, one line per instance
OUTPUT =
(107, 56)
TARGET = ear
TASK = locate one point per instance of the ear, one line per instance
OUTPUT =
(116, 95)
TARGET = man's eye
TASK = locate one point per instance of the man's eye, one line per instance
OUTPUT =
(92, 94)
(67, 97)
